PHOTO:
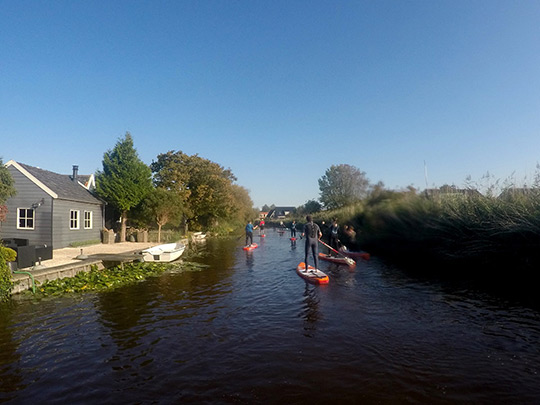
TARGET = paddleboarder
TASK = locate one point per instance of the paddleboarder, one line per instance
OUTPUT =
(312, 233)
(334, 229)
(249, 233)
(293, 229)
(261, 227)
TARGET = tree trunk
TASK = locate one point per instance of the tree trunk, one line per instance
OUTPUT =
(123, 220)
(159, 233)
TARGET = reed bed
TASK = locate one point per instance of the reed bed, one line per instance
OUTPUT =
(454, 229)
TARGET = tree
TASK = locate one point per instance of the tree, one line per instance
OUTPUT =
(205, 186)
(162, 206)
(243, 204)
(312, 206)
(342, 185)
(7, 189)
(125, 179)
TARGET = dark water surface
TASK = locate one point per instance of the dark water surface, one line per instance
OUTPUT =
(249, 330)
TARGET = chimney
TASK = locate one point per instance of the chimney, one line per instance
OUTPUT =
(75, 172)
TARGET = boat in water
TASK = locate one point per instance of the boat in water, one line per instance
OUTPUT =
(168, 252)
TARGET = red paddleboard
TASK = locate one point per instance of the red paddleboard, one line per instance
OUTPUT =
(362, 255)
(312, 275)
(293, 238)
(263, 235)
(250, 247)
(338, 260)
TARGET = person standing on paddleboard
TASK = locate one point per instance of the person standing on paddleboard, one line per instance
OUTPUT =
(261, 227)
(312, 233)
(334, 229)
(249, 233)
(293, 229)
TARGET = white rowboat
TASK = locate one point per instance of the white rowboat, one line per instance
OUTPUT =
(163, 253)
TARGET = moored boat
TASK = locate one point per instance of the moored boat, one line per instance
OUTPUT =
(167, 252)
(198, 237)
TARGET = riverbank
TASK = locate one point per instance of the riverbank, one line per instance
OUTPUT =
(68, 262)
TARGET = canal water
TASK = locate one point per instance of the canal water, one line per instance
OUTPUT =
(247, 329)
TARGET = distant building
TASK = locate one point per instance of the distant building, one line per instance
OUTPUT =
(263, 214)
(451, 192)
(280, 212)
(514, 193)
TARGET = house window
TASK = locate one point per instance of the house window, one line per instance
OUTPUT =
(25, 218)
(87, 219)
(73, 219)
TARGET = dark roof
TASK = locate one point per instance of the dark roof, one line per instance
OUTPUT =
(62, 185)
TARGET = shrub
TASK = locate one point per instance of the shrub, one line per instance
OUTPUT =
(6, 283)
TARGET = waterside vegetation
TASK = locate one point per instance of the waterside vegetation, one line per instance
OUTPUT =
(110, 278)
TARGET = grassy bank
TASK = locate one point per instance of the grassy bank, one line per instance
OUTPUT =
(456, 231)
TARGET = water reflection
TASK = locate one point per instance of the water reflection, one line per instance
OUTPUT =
(310, 312)
(224, 334)
(249, 259)
(10, 374)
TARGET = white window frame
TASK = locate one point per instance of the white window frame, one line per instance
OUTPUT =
(74, 220)
(88, 219)
(26, 218)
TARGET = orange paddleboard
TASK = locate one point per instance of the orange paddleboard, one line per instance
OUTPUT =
(312, 275)
(250, 247)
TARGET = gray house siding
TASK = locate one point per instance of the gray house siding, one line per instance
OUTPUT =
(27, 194)
(52, 197)
(63, 234)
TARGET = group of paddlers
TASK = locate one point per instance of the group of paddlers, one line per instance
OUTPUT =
(312, 233)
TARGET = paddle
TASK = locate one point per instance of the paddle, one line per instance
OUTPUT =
(349, 261)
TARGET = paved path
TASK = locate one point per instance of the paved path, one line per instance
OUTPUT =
(68, 255)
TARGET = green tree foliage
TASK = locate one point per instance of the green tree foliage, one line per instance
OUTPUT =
(205, 186)
(125, 180)
(6, 284)
(7, 184)
(342, 185)
(312, 207)
(243, 204)
(160, 207)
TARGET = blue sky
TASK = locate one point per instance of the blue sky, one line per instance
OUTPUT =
(277, 91)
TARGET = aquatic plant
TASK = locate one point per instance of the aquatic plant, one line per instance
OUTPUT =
(99, 280)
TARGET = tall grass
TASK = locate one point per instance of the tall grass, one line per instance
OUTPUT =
(456, 228)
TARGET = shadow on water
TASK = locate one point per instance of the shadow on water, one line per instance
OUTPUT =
(511, 281)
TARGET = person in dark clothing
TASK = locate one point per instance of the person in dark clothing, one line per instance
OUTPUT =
(312, 233)
(293, 229)
(334, 229)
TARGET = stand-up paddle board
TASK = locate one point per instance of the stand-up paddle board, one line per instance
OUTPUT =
(355, 255)
(312, 275)
(293, 239)
(250, 247)
(338, 260)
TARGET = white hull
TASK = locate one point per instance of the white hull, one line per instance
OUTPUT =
(163, 253)
(198, 237)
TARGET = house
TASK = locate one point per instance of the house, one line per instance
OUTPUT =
(52, 209)
(263, 214)
(280, 212)
(451, 192)
(515, 194)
